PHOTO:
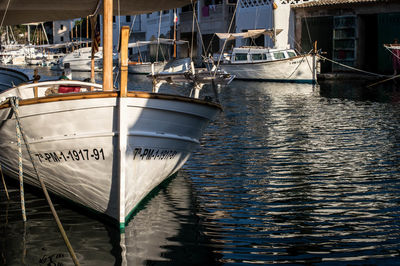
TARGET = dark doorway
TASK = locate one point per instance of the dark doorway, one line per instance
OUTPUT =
(318, 29)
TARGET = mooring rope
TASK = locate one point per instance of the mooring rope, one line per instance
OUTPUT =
(15, 106)
(4, 183)
(350, 67)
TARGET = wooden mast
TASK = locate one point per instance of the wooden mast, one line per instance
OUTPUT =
(72, 36)
(107, 45)
(124, 60)
(87, 31)
(175, 18)
(93, 24)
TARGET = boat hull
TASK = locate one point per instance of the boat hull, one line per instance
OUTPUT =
(10, 78)
(81, 64)
(145, 68)
(295, 69)
(105, 153)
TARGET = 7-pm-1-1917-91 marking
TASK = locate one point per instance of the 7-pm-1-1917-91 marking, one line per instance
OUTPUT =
(71, 155)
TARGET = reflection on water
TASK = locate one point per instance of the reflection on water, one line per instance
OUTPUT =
(287, 174)
(300, 178)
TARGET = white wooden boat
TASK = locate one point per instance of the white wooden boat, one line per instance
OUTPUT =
(80, 60)
(102, 148)
(10, 78)
(268, 64)
(141, 50)
(145, 67)
(264, 63)
(182, 71)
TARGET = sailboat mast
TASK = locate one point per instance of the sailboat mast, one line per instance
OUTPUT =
(175, 20)
(107, 45)
(87, 31)
(274, 7)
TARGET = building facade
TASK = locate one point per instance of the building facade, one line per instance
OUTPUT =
(62, 31)
(350, 32)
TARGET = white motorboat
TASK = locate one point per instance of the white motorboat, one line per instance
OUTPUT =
(266, 64)
(80, 60)
(100, 147)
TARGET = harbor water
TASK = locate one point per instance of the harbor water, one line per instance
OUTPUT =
(286, 174)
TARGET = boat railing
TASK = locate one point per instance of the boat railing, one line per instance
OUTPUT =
(52, 87)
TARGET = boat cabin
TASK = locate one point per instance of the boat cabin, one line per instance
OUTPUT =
(259, 54)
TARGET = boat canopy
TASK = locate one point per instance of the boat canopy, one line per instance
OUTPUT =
(16, 12)
(159, 41)
(248, 34)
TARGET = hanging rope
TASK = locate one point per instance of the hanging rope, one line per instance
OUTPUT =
(5, 13)
(226, 40)
(15, 106)
(4, 183)
(352, 68)
(198, 26)
(158, 37)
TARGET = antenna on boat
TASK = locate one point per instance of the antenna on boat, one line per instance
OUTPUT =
(274, 7)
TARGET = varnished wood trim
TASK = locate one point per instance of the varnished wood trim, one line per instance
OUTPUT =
(110, 94)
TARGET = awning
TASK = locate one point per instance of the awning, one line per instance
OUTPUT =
(248, 34)
(159, 41)
(27, 11)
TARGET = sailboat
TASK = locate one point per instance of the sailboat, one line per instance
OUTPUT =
(183, 70)
(142, 64)
(100, 147)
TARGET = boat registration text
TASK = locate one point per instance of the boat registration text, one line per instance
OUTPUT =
(71, 155)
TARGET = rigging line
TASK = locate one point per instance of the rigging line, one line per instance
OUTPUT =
(302, 59)
(199, 31)
(5, 12)
(209, 45)
(308, 31)
(14, 102)
(192, 44)
(119, 20)
(309, 66)
(226, 40)
(158, 37)
(95, 12)
(395, 55)
(353, 68)
(132, 24)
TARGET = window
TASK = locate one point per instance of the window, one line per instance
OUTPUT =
(291, 54)
(61, 38)
(61, 27)
(256, 57)
(240, 57)
(128, 18)
(113, 19)
(279, 55)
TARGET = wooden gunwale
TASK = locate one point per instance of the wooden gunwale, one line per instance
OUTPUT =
(109, 94)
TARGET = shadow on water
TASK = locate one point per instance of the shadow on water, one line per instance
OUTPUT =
(359, 90)
(166, 232)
